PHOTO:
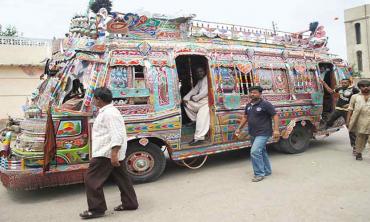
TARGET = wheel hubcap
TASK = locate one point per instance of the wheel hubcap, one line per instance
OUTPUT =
(140, 163)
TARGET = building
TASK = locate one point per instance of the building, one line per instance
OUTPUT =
(357, 24)
(22, 61)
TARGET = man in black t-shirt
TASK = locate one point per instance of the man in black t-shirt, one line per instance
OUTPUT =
(345, 93)
(259, 114)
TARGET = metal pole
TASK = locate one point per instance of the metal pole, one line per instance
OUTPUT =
(190, 72)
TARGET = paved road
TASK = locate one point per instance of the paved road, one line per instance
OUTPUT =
(323, 184)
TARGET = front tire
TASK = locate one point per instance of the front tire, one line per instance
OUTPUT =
(144, 163)
(298, 140)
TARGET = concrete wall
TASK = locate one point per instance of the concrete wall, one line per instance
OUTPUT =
(16, 84)
(21, 63)
(352, 16)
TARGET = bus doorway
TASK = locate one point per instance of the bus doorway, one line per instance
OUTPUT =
(187, 66)
(327, 74)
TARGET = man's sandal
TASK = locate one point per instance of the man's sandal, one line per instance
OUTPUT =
(122, 208)
(90, 214)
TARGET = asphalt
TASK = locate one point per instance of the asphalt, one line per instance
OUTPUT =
(323, 184)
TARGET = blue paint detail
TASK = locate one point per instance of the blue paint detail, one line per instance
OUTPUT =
(130, 92)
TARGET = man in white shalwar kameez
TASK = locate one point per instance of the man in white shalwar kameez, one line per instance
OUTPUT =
(196, 107)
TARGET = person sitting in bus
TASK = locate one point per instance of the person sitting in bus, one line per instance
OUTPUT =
(345, 93)
(196, 107)
(74, 99)
(76, 91)
(73, 104)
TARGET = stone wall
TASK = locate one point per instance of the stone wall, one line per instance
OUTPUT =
(358, 15)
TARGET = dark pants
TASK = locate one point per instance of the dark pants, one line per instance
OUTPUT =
(334, 116)
(100, 169)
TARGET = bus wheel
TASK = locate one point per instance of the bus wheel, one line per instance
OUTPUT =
(298, 140)
(145, 163)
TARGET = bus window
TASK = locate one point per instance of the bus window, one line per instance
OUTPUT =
(73, 87)
(74, 98)
(244, 78)
(129, 80)
(138, 76)
(139, 83)
(232, 79)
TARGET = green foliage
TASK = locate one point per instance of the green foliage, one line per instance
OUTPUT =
(10, 31)
(98, 4)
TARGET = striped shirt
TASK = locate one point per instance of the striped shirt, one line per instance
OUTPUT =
(109, 131)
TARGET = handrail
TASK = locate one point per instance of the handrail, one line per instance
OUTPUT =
(235, 27)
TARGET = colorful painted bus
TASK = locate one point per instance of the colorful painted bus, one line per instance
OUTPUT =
(148, 64)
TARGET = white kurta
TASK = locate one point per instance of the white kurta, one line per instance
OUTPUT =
(198, 110)
(109, 131)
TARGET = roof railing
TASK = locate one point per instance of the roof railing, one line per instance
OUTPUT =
(242, 32)
(21, 41)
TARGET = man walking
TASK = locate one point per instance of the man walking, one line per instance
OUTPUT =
(345, 93)
(109, 144)
(259, 114)
(358, 119)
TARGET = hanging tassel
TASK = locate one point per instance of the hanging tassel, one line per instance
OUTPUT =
(50, 146)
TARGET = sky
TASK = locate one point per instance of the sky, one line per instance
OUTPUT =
(50, 18)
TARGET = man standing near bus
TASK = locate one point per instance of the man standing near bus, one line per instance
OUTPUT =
(109, 144)
(259, 114)
(358, 119)
(345, 93)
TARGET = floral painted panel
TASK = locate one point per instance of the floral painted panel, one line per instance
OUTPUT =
(119, 78)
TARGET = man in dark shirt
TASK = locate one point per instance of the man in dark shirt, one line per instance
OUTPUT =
(345, 93)
(258, 114)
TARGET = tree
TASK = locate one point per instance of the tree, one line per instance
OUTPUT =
(10, 31)
(98, 4)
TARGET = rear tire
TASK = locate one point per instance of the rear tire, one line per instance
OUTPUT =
(144, 163)
(298, 140)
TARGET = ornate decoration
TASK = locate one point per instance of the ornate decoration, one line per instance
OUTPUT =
(144, 48)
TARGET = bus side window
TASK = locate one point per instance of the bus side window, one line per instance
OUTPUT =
(138, 77)
(131, 81)
(233, 80)
(245, 81)
(138, 83)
